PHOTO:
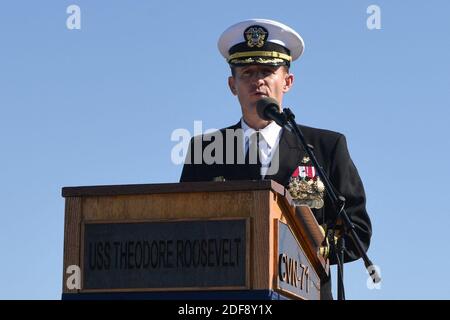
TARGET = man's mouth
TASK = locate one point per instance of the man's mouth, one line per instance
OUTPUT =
(259, 94)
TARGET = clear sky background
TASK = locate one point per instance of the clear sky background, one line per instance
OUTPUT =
(97, 106)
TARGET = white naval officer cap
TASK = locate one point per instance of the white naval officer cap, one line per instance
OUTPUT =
(260, 41)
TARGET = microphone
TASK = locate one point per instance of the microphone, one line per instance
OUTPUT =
(269, 109)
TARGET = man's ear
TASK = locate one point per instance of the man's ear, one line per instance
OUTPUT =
(232, 85)
(288, 82)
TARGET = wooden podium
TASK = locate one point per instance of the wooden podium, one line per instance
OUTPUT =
(202, 240)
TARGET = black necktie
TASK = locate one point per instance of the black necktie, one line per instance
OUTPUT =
(252, 157)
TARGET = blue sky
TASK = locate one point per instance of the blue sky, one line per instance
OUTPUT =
(98, 106)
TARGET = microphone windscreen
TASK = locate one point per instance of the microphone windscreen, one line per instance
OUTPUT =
(265, 104)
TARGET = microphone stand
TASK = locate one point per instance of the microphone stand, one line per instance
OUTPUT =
(348, 227)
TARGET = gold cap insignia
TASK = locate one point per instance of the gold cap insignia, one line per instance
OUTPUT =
(256, 36)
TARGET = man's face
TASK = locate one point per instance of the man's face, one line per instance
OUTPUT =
(253, 82)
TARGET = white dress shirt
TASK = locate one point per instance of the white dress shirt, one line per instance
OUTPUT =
(269, 139)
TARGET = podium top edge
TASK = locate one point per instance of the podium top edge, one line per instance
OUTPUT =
(183, 187)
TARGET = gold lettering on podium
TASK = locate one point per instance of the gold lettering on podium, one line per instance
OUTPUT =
(289, 272)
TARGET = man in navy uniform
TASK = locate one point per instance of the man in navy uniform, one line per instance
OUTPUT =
(259, 52)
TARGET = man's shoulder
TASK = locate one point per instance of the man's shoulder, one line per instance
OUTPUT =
(212, 135)
(318, 134)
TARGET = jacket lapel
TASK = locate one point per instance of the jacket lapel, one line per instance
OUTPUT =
(235, 170)
(290, 155)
